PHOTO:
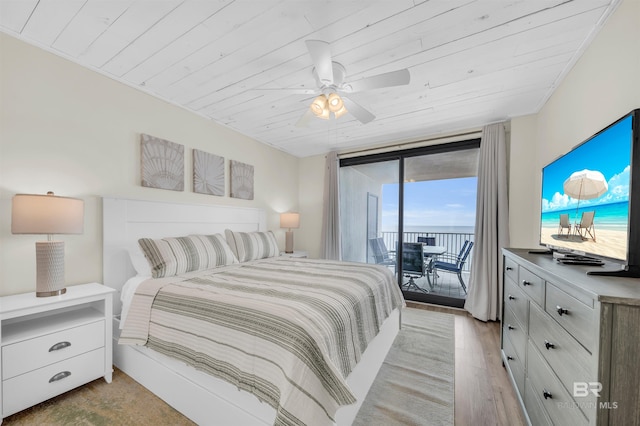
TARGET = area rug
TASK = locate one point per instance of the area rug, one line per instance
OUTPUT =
(415, 383)
(414, 387)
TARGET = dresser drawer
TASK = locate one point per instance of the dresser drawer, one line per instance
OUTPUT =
(27, 355)
(559, 404)
(512, 329)
(31, 388)
(576, 317)
(511, 269)
(535, 410)
(514, 364)
(515, 300)
(569, 360)
(532, 285)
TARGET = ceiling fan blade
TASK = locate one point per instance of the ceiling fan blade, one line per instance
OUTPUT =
(305, 119)
(388, 79)
(321, 56)
(292, 91)
(357, 111)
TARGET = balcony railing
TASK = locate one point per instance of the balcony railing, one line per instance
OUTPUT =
(453, 241)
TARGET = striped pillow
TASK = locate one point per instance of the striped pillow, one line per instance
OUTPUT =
(252, 245)
(173, 256)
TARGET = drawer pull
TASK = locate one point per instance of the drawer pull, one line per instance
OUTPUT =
(61, 375)
(549, 345)
(510, 358)
(510, 327)
(562, 311)
(509, 268)
(59, 346)
(547, 394)
(525, 283)
(511, 297)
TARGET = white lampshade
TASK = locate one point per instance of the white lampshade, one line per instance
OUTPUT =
(289, 220)
(47, 214)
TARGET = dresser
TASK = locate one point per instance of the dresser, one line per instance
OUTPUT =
(571, 342)
(50, 345)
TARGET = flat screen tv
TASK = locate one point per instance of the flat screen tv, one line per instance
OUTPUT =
(591, 199)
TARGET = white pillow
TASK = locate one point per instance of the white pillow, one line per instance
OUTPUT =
(139, 262)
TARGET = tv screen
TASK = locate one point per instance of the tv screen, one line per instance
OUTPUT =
(586, 195)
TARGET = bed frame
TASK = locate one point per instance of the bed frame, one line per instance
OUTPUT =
(199, 396)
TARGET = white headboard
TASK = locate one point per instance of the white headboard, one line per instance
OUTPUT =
(125, 221)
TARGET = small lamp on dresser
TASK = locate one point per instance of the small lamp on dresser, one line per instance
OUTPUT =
(47, 214)
(289, 221)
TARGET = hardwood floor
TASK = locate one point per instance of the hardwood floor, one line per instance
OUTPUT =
(483, 392)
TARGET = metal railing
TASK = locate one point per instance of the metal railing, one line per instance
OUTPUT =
(453, 241)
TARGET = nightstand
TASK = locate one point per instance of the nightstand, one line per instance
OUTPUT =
(50, 345)
(296, 253)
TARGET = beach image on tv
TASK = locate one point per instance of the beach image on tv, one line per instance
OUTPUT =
(585, 195)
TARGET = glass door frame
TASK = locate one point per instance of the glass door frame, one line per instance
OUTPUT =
(400, 156)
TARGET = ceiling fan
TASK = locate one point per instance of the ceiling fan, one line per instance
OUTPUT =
(333, 90)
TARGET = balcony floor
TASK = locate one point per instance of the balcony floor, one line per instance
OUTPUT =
(446, 285)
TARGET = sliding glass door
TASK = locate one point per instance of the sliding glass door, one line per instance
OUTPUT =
(366, 214)
(413, 211)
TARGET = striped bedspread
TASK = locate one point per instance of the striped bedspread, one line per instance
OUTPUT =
(287, 330)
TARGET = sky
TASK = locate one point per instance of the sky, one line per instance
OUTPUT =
(449, 202)
(609, 152)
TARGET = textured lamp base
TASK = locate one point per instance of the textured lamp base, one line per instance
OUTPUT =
(288, 244)
(50, 268)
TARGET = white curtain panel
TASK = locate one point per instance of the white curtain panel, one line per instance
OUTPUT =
(492, 226)
(331, 214)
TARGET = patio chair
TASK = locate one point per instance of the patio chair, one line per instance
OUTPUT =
(564, 224)
(430, 241)
(413, 265)
(449, 262)
(381, 255)
(586, 226)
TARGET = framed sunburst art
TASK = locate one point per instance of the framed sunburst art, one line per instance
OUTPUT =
(208, 173)
(162, 163)
(241, 180)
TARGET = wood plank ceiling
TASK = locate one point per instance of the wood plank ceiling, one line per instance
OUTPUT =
(471, 62)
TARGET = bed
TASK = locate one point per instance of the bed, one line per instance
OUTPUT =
(206, 398)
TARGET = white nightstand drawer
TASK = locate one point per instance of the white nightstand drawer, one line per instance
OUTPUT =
(39, 385)
(27, 355)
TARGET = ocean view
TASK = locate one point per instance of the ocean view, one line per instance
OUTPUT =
(436, 229)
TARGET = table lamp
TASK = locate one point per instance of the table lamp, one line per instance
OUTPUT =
(289, 220)
(47, 214)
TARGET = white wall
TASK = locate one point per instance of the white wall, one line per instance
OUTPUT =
(312, 174)
(602, 86)
(75, 132)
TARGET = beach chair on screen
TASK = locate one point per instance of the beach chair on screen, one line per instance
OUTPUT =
(586, 227)
(564, 224)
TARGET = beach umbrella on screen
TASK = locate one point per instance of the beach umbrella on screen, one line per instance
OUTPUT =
(585, 185)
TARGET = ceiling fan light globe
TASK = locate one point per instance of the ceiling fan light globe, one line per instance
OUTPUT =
(335, 102)
(319, 105)
(339, 113)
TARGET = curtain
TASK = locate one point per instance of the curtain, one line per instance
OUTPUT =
(492, 227)
(331, 211)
